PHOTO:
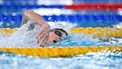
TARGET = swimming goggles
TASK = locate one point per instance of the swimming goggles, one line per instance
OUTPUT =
(58, 33)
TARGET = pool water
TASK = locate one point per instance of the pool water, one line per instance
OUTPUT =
(91, 60)
(99, 60)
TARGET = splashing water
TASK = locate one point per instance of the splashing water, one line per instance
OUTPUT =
(24, 37)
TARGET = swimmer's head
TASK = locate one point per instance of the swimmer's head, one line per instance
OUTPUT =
(56, 35)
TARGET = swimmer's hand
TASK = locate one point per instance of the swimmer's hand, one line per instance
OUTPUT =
(43, 35)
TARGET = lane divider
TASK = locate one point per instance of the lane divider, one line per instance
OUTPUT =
(59, 51)
(94, 6)
(99, 32)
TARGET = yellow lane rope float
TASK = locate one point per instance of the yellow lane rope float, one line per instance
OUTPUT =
(67, 51)
(7, 31)
(59, 51)
(99, 32)
(96, 32)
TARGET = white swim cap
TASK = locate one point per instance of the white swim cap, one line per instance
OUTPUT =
(62, 25)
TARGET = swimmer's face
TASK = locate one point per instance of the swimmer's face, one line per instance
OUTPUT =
(56, 36)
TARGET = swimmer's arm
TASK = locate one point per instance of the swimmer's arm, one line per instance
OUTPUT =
(43, 34)
(34, 16)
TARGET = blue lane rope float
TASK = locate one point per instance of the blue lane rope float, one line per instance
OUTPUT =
(91, 19)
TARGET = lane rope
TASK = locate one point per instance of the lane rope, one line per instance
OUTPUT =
(98, 32)
(94, 6)
(59, 51)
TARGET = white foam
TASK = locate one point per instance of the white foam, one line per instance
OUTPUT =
(27, 38)
(21, 38)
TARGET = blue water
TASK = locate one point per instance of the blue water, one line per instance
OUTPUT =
(101, 60)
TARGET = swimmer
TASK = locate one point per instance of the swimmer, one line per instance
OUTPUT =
(44, 36)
